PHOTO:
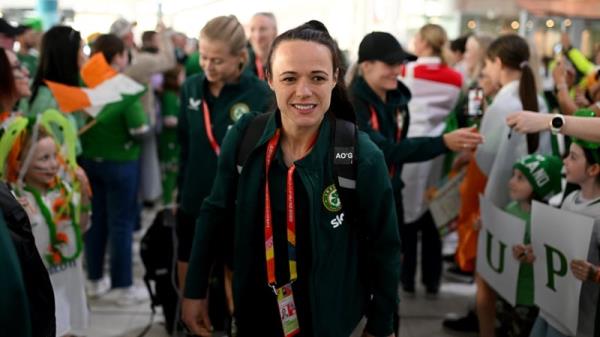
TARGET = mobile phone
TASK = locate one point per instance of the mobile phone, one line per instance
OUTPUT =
(475, 104)
(558, 48)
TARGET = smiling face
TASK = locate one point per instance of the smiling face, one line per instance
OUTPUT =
(44, 165)
(302, 79)
(381, 76)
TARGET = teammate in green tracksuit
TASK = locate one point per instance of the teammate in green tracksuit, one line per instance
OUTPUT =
(381, 104)
(198, 160)
(309, 228)
(386, 120)
(210, 103)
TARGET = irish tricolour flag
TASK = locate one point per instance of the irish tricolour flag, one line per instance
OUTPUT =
(106, 90)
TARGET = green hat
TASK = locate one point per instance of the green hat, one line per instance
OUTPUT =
(542, 172)
(33, 22)
(592, 146)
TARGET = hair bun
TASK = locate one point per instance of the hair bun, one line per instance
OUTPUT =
(315, 25)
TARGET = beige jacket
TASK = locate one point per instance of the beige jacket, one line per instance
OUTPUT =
(144, 65)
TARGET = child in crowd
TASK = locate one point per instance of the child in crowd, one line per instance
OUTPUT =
(582, 167)
(168, 147)
(55, 194)
(535, 177)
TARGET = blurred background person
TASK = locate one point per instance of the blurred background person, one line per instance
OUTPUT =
(168, 146)
(14, 83)
(8, 34)
(435, 88)
(29, 41)
(263, 30)
(111, 152)
(454, 54)
(142, 65)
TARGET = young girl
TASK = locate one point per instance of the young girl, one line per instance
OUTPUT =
(507, 64)
(523, 188)
(49, 188)
(582, 167)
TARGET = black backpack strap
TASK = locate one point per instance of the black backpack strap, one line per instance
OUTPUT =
(251, 137)
(345, 165)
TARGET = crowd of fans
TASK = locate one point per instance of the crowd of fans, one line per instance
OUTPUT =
(468, 109)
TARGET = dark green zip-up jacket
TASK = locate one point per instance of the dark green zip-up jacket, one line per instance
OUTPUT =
(198, 161)
(397, 153)
(336, 293)
(14, 310)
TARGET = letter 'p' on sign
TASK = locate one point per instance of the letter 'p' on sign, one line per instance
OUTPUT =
(556, 265)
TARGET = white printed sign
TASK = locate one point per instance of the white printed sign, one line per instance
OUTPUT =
(558, 237)
(500, 231)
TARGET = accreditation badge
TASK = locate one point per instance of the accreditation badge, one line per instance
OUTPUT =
(287, 311)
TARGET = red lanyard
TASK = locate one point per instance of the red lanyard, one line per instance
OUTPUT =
(374, 119)
(290, 214)
(208, 129)
(375, 126)
(375, 123)
(260, 71)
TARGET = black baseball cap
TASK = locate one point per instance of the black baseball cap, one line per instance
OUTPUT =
(382, 46)
(8, 29)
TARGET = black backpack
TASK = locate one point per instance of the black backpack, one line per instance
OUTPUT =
(157, 253)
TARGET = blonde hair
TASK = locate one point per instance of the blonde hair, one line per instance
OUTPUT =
(483, 41)
(267, 15)
(226, 29)
(435, 37)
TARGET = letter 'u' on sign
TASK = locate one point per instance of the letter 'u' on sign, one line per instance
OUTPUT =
(496, 262)
(499, 232)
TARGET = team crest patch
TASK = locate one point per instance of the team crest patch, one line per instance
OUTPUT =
(238, 110)
(331, 199)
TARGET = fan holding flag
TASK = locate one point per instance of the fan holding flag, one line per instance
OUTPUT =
(110, 155)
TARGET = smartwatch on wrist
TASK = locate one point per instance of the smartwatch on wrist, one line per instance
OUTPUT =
(556, 123)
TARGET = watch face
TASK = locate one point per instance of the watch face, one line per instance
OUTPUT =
(557, 122)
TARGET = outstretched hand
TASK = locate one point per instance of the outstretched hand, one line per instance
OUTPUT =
(528, 122)
(463, 139)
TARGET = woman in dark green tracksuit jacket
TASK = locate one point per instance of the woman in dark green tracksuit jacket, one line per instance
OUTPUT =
(381, 104)
(386, 120)
(329, 292)
(240, 92)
